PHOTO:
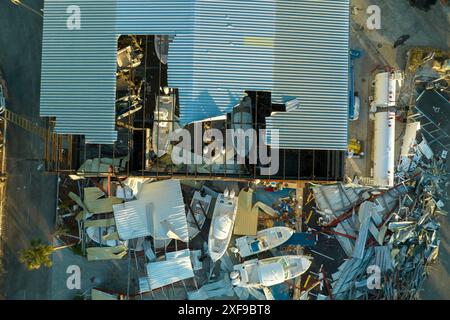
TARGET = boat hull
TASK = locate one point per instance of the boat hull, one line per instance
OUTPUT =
(199, 217)
(264, 240)
(269, 272)
(224, 211)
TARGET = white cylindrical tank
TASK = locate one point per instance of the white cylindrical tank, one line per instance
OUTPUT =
(385, 90)
(384, 143)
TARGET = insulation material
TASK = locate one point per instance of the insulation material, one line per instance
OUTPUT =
(92, 194)
(246, 219)
(106, 253)
(99, 223)
(100, 166)
(102, 205)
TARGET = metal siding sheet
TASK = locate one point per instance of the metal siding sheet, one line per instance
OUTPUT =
(160, 17)
(166, 202)
(156, 203)
(133, 220)
(78, 69)
(163, 273)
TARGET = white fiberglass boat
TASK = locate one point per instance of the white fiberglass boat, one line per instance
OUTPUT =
(197, 218)
(264, 240)
(222, 224)
(162, 47)
(163, 123)
(269, 272)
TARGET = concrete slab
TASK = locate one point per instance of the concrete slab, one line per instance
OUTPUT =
(108, 275)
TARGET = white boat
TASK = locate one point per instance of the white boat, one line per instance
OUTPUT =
(222, 224)
(269, 272)
(196, 205)
(162, 47)
(264, 240)
(163, 123)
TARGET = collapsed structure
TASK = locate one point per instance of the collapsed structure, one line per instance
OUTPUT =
(161, 66)
(232, 59)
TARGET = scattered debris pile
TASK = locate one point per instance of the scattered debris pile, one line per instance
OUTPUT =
(244, 243)
(390, 236)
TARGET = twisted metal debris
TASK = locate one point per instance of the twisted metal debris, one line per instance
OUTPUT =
(391, 236)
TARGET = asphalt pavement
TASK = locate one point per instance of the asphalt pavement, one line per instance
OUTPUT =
(30, 195)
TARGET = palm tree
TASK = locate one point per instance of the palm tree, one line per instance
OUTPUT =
(62, 230)
(19, 3)
(38, 254)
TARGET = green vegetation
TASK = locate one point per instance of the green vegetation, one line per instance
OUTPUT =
(38, 254)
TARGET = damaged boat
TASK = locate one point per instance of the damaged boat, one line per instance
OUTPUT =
(264, 240)
(222, 224)
(196, 216)
(163, 123)
(269, 272)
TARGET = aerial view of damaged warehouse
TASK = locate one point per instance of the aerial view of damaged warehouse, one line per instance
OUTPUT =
(224, 150)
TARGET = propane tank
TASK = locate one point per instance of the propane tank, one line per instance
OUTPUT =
(384, 143)
(385, 90)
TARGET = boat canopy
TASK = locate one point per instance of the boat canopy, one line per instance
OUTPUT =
(271, 274)
(222, 227)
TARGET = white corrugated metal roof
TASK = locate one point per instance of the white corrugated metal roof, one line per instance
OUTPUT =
(133, 219)
(222, 48)
(78, 80)
(163, 273)
(144, 286)
(160, 17)
(295, 49)
(159, 212)
(312, 64)
(166, 203)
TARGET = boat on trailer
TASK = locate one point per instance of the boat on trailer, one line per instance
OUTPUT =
(269, 272)
(264, 240)
(222, 224)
